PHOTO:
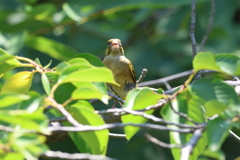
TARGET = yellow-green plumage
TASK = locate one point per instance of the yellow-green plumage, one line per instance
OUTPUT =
(121, 67)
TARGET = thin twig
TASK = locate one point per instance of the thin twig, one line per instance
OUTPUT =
(116, 98)
(84, 128)
(62, 155)
(160, 143)
(64, 112)
(187, 149)
(181, 114)
(209, 29)
(142, 76)
(122, 111)
(166, 79)
(192, 28)
(114, 135)
(10, 129)
(234, 135)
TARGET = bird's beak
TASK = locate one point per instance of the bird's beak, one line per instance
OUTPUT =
(115, 44)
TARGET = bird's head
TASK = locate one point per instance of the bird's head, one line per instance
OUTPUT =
(114, 47)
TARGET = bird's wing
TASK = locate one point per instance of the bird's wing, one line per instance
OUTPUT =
(132, 72)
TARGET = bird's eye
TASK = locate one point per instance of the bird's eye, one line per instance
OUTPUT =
(109, 43)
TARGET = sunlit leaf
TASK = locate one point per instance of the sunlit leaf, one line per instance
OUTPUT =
(205, 60)
(8, 99)
(32, 121)
(32, 104)
(86, 90)
(8, 64)
(91, 75)
(18, 83)
(46, 84)
(71, 69)
(136, 100)
(95, 141)
(225, 63)
(91, 58)
(4, 58)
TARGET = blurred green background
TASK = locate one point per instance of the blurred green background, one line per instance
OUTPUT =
(154, 33)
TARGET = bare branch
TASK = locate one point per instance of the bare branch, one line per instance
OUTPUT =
(160, 143)
(116, 98)
(142, 76)
(122, 111)
(209, 29)
(234, 135)
(116, 125)
(62, 155)
(192, 28)
(181, 114)
(166, 79)
(64, 112)
(10, 129)
(113, 135)
(187, 149)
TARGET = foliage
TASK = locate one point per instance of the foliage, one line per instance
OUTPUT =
(66, 31)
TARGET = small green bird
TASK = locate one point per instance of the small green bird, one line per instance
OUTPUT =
(121, 68)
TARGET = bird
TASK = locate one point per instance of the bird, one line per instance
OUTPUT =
(121, 67)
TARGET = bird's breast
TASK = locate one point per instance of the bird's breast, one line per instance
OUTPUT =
(119, 66)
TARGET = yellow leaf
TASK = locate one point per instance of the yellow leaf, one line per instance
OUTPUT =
(18, 83)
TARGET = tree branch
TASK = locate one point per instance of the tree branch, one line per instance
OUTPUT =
(160, 143)
(142, 76)
(192, 28)
(115, 125)
(73, 156)
(187, 149)
(209, 29)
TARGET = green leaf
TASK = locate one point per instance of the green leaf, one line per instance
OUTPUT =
(46, 84)
(91, 75)
(52, 48)
(18, 83)
(185, 103)
(228, 63)
(215, 95)
(52, 77)
(8, 99)
(43, 11)
(205, 60)
(11, 156)
(81, 61)
(30, 145)
(8, 64)
(135, 100)
(64, 92)
(14, 42)
(32, 104)
(225, 63)
(48, 65)
(33, 121)
(95, 141)
(71, 69)
(219, 155)
(218, 130)
(86, 90)
(61, 66)
(38, 61)
(91, 58)
(4, 58)
(71, 12)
